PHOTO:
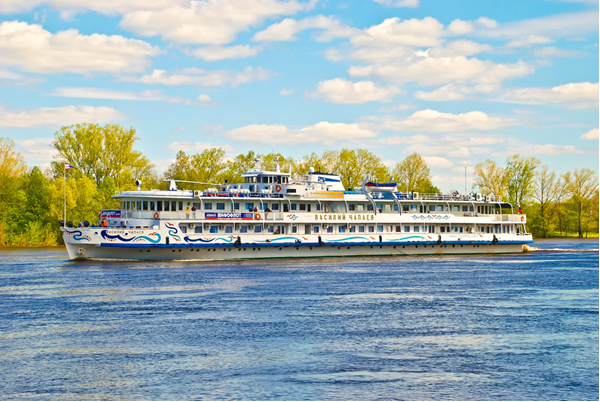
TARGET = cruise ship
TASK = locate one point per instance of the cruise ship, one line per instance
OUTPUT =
(272, 214)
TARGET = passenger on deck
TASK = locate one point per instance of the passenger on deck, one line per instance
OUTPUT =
(194, 211)
(187, 211)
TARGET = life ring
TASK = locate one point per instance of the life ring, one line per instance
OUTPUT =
(278, 188)
(522, 218)
(257, 217)
(156, 216)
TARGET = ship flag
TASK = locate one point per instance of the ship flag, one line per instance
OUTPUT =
(520, 211)
(69, 166)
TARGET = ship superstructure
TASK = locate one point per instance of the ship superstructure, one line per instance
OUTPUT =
(271, 215)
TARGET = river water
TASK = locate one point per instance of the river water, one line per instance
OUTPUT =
(507, 327)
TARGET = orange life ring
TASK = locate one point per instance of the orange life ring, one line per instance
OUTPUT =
(278, 188)
(522, 218)
(156, 216)
(257, 217)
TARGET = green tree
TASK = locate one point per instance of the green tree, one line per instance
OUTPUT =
(99, 152)
(209, 166)
(490, 178)
(520, 173)
(549, 191)
(413, 174)
(582, 185)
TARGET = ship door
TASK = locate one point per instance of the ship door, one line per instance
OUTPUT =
(326, 207)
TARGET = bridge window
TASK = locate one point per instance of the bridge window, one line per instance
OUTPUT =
(208, 206)
(369, 207)
(220, 206)
(144, 205)
(407, 229)
(181, 205)
(250, 206)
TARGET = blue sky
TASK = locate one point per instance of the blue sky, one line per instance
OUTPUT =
(457, 81)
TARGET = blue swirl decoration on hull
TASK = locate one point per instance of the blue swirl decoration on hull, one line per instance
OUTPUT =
(207, 240)
(148, 238)
(172, 230)
(77, 235)
(277, 239)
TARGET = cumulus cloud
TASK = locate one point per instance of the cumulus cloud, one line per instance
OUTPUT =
(323, 132)
(207, 22)
(35, 150)
(399, 3)
(591, 135)
(551, 51)
(215, 53)
(433, 121)
(149, 95)
(446, 93)
(574, 95)
(341, 91)
(287, 29)
(188, 146)
(529, 41)
(438, 162)
(460, 27)
(58, 116)
(206, 78)
(287, 92)
(394, 31)
(33, 49)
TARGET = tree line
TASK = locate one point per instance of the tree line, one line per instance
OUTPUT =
(106, 161)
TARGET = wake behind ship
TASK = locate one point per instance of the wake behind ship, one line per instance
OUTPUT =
(271, 215)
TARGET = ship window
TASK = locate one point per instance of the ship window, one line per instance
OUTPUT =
(208, 206)
(257, 229)
(198, 229)
(432, 208)
(144, 205)
(407, 229)
(465, 208)
(173, 205)
(302, 207)
(138, 205)
(330, 229)
(371, 229)
(166, 205)
(228, 228)
(360, 207)
(341, 229)
(404, 208)
(369, 207)
(395, 208)
(220, 206)
(152, 206)
(126, 204)
(413, 208)
(439, 208)
(236, 206)
(316, 229)
(455, 229)
(293, 207)
(286, 208)
(308, 207)
(294, 229)
(275, 207)
(472, 208)
(244, 229)
(183, 228)
(398, 229)
(460, 229)
(416, 229)
(361, 229)
(352, 207)
(180, 205)
(250, 206)
(271, 229)
(380, 228)
(214, 229)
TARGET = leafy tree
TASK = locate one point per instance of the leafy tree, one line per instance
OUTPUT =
(582, 185)
(549, 191)
(99, 152)
(11, 162)
(520, 172)
(36, 187)
(209, 166)
(413, 174)
(490, 178)
(240, 164)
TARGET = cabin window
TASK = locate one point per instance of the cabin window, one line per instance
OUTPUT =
(471, 208)
(138, 205)
(432, 208)
(413, 208)
(257, 229)
(465, 208)
(341, 229)
(460, 229)
(244, 229)
(360, 207)
(236, 206)
(250, 206)
(455, 229)
(152, 206)
(371, 229)
(228, 228)
(398, 229)
(416, 229)
(144, 205)
(126, 204)
(395, 208)
(196, 204)
(271, 229)
(166, 205)
(361, 229)
(369, 207)
(352, 229)
(181, 205)
(443, 229)
(286, 208)
(214, 229)
(275, 207)
(198, 229)
(318, 207)
(352, 207)
(404, 208)
(208, 206)
(379, 207)
(302, 207)
(308, 208)
(315, 229)
(439, 208)
(456, 208)
(220, 206)
(330, 229)
(407, 229)
(183, 229)
(294, 229)
(293, 206)
(380, 228)
(173, 205)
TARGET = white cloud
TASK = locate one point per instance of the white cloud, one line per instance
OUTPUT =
(442, 70)
(461, 47)
(58, 116)
(324, 132)
(404, 139)
(109, 7)
(37, 149)
(215, 53)
(433, 121)
(574, 95)
(438, 162)
(197, 146)
(529, 41)
(394, 31)
(206, 78)
(551, 51)
(486, 22)
(448, 92)
(541, 149)
(33, 49)
(207, 22)
(460, 27)
(591, 135)
(286, 29)
(212, 127)
(104, 93)
(287, 92)
(341, 91)
(399, 3)
(401, 107)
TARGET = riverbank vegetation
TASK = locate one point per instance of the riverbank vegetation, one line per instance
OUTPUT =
(32, 201)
